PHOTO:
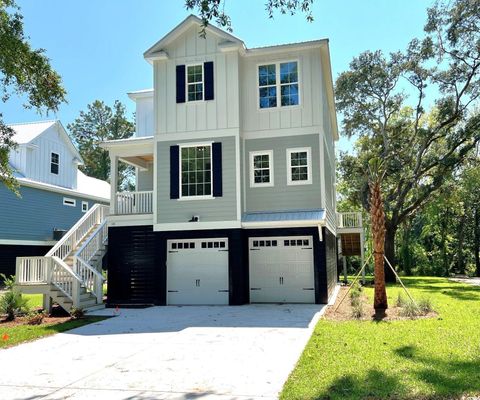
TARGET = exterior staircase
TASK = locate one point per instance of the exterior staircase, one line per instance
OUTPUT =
(70, 274)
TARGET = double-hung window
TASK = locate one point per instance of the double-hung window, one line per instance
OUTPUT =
(196, 171)
(195, 82)
(54, 163)
(299, 166)
(261, 168)
(278, 85)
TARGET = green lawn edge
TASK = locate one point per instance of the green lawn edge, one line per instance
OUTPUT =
(437, 358)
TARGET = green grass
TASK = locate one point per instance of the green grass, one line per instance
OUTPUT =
(24, 333)
(436, 358)
(34, 300)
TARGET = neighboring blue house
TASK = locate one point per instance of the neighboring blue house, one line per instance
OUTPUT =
(54, 192)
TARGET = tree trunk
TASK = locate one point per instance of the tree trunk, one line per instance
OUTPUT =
(390, 233)
(443, 226)
(461, 236)
(476, 229)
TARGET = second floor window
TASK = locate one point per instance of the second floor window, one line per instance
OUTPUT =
(299, 166)
(196, 171)
(54, 163)
(195, 82)
(278, 85)
(261, 164)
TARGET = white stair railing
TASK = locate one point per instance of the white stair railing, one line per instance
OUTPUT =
(52, 269)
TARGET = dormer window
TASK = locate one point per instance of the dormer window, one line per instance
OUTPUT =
(195, 82)
(278, 85)
(54, 163)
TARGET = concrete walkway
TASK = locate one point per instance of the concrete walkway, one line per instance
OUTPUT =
(244, 352)
(469, 281)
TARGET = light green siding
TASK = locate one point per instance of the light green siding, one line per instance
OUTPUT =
(145, 179)
(219, 209)
(282, 196)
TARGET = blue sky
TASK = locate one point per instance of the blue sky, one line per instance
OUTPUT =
(97, 46)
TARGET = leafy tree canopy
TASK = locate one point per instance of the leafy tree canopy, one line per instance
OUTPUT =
(24, 71)
(97, 124)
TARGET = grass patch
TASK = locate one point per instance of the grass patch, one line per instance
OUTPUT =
(13, 335)
(34, 300)
(409, 359)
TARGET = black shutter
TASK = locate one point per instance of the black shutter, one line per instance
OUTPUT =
(174, 173)
(180, 83)
(208, 71)
(217, 169)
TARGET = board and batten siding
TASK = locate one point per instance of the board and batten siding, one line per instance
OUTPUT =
(222, 208)
(282, 196)
(38, 159)
(220, 113)
(144, 116)
(306, 114)
(35, 214)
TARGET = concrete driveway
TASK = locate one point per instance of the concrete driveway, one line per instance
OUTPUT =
(244, 352)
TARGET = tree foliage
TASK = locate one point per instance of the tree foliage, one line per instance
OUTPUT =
(24, 71)
(95, 125)
(382, 99)
(214, 10)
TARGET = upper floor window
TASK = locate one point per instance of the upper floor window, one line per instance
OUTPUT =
(196, 171)
(261, 168)
(299, 166)
(278, 84)
(195, 82)
(54, 163)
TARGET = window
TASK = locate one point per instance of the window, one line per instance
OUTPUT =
(261, 168)
(299, 166)
(196, 171)
(69, 202)
(84, 206)
(54, 163)
(195, 82)
(276, 80)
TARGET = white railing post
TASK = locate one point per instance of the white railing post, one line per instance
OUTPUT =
(99, 289)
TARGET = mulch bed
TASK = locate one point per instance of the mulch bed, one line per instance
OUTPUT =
(345, 311)
(23, 321)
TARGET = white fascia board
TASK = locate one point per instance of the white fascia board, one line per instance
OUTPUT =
(15, 242)
(130, 220)
(196, 226)
(281, 48)
(58, 189)
(140, 94)
(283, 224)
(127, 143)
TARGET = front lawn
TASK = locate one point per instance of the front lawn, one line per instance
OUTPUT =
(13, 335)
(425, 358)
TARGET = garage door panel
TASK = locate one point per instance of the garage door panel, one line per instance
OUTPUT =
(281, 270)
(197, 272)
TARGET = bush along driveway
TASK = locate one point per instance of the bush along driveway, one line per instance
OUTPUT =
(425, 358)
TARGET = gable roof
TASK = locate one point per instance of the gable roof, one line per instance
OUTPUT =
(26, 132)
(187, 23)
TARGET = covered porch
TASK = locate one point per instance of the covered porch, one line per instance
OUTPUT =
(351, 238)
(137, 153)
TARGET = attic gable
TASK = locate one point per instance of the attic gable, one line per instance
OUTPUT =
(158, 50)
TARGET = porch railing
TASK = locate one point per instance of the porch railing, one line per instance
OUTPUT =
(134, 203)
(349, 220)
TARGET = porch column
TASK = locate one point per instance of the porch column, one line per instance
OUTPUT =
(345, 278)
(362, 255)
(113, 183)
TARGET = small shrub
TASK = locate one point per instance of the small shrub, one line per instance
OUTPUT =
(35, 318)
(410, 310)
(355, 301)
(8, 281)
(77, 313)
(425, 305)
(12, 304)
(400, 300)
(357, 311)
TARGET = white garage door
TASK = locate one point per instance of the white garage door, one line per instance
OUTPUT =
(281, 270)
(197, 271)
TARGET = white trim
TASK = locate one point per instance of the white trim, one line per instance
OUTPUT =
(308, 150)
(155, 177)
(322, 172)
(195, 64)
(237, 177)
(282, 132)
(67, 201)
(195, 226)
(85, 203)
(130, 220)
(189, 145)
(270, 168)
(57, 189)
(244, 174)
(283, 224)
(279, 85)
(196, 135)
(15, 242)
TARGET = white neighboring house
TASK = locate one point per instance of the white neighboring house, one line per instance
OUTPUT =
(55, 194)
